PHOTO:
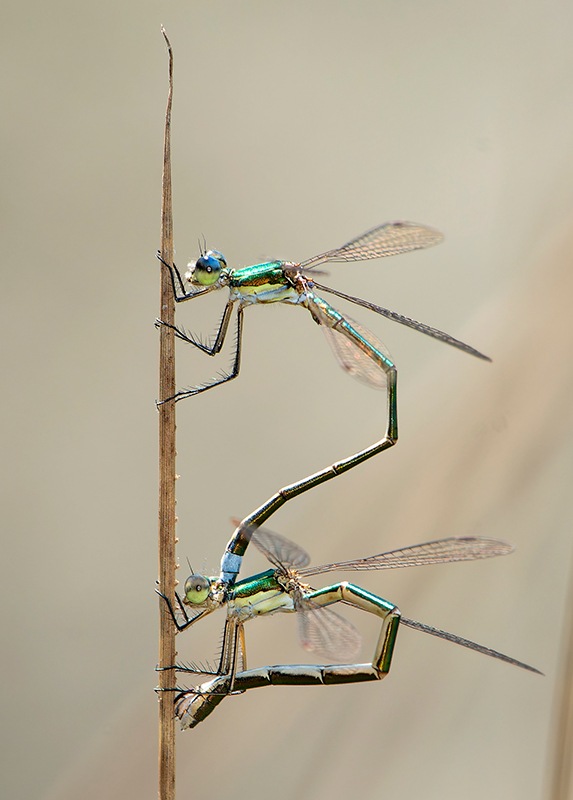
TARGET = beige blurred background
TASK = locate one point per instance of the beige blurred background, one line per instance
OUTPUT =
(296, 126)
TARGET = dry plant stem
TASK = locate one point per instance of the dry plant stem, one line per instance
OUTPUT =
(167, 472)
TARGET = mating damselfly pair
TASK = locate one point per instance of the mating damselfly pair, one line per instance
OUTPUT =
(281, 589)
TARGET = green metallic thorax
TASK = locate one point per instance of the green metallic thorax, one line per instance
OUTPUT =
(261, 582)
(259, 594)
(262, 283)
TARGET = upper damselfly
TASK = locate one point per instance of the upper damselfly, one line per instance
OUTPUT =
(357, 350)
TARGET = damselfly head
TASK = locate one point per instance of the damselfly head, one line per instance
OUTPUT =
(197, 588)
(207, 269)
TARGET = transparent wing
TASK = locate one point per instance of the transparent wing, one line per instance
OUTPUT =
(421, 327)
(440, 551)
(279, 550)
(479, 648)
(326, 633)
(389, 239)
(352, 359)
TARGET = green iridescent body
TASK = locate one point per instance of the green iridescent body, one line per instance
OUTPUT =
(259, 594)
(321, 629)
(261, 582)
(280, 590)
(262, 283)
(281, 281)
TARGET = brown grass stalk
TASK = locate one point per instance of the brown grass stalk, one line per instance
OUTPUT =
(167, 561)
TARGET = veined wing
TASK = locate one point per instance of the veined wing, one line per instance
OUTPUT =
(321, 630)
(479, 648)
(279, 550)
(326, 633)
(421, 327)
(352, 358)
(440, 551)
(389, 239)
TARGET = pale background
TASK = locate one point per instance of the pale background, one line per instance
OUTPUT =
(296, 126)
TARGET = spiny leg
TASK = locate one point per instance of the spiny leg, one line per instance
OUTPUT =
(243, 647)
(188, 620)
(232, 648)
(210, 350)
(223, 377)
(233, 641)
(179, 293)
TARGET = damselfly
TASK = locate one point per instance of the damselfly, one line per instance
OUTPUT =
(357, 350)
(321, 630)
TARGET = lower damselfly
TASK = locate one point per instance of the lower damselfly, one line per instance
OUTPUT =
(321, 630)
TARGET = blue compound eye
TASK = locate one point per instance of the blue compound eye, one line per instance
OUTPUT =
(207, 268)
(218, 256)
